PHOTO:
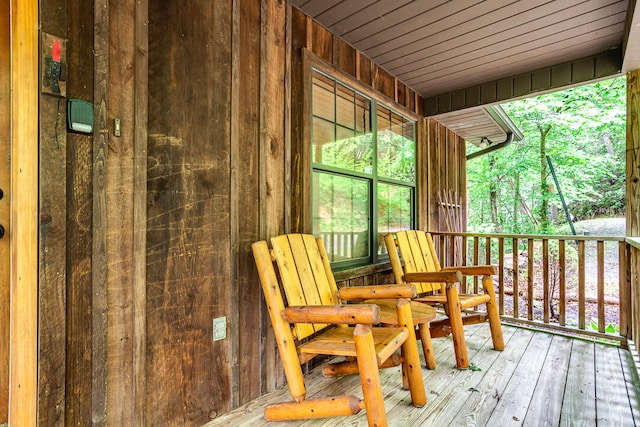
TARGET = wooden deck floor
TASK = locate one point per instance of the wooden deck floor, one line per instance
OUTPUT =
(538, 380)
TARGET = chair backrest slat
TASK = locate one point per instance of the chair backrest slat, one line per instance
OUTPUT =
(303, 274)
(432, 251)
(417, 255)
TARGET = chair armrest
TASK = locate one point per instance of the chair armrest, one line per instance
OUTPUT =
(366, 314)
(474, 270)
(377, 292)
(432, 277)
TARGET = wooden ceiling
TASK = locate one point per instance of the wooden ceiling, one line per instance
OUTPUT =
(448, 51)
(439, 46)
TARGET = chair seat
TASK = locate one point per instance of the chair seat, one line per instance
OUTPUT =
(421, 313)
(466, 300)
(339, 341)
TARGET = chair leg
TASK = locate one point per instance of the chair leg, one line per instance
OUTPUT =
(411, 363)
(427, 345)
(492, 312)
(457, 328)
(369, 376)
(315, 408)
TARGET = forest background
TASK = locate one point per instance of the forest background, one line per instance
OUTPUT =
(582, 130)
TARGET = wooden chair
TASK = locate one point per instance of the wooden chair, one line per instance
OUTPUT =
(320, 327)
(419, 257)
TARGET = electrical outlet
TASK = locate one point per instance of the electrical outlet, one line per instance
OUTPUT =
(219, 328)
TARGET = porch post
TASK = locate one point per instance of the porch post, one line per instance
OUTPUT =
(633, 193)
(23, 379)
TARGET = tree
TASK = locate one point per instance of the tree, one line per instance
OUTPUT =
(583, 130)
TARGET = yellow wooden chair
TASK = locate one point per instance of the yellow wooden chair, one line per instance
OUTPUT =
(323, 327)
(419, 260)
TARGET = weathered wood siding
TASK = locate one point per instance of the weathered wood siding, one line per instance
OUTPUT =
(52, 239)
(79, 221)
(188, 223)
(446, 171)
(146, 237)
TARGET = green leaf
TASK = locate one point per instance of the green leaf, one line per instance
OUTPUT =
(474, 389)
(473, 367)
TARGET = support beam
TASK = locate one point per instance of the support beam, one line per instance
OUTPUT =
(633, 191)
(607, 64)
(23, 376)
(631, 43)
(5, 198)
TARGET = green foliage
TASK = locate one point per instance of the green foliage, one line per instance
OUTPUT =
(583, 130)
(610, 328)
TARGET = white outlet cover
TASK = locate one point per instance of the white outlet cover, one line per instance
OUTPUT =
(219, 328)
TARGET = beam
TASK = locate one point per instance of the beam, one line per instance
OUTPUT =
(604, 65)
(633, 192)
(631, 44)
(23, 375)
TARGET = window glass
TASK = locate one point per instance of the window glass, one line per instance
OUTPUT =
(345, 106)
(396, 147)
(323, 97)
(341, 140)
(395, 208)
(363, 171)
(341, 215)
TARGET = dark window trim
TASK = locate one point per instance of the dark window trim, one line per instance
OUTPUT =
(310, 61)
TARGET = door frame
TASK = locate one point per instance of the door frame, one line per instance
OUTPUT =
(23, 359)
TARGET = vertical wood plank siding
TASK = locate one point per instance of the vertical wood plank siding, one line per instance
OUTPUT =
(52, 239)
(245, 219)
(119, 210)
(99, 216)
(446, 171)
(140, 149)
(272, 194)
(188, 206)
(79, 235)
(151, 241)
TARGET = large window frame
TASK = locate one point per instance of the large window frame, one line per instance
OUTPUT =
(376, 253)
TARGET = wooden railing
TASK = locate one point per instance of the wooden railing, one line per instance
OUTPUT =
(575, 284)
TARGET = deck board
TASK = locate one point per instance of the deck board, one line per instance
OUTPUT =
(539, 379)
(612, 401)
(466, 390)
(578, 405)
(546, 402)
(632, 382)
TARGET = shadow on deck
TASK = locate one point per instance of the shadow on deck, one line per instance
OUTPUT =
(539, 379)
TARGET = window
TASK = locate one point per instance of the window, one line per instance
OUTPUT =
(363, 171)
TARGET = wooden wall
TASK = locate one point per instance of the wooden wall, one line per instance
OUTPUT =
(146, 237)
(78, 372)
(446, 171)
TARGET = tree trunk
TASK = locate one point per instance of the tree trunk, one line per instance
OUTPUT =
(607, 143)
(494, 198)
